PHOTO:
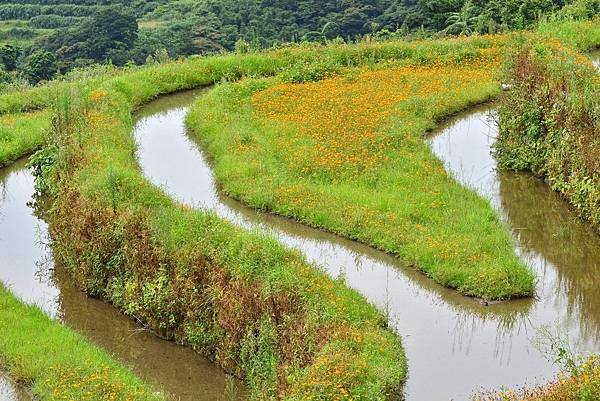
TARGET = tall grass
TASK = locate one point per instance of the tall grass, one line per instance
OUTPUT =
(550, 123)
(57, 363)
(579, 35)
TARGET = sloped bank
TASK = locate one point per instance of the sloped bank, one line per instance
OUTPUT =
(253, 306)
(550, 121)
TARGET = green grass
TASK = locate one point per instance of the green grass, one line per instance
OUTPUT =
(255, 307)
(406, 205)
(21, 134)
(58, 364)
(20, 33)
(580, 35)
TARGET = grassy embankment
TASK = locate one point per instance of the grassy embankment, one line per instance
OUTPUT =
(346, 154)
(21, 134)
(549, 125)
(25, 115)
(57, 363)
(258, 309)
(317, 152)
(578, 35)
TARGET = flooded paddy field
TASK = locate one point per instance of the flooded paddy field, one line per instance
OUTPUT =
(458, 343)
(461, 344)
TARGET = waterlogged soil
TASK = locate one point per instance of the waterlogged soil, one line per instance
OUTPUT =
(29, 271)
(455, 345)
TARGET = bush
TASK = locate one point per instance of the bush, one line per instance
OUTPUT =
(550, 123)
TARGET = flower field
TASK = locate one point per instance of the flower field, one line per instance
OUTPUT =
(347, 154)
(339, 120)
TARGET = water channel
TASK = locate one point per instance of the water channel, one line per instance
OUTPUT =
(455, 345)
(28, 270)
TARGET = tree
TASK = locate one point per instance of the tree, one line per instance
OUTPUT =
(207, 37)
(330, 30)
(353, 21)
(463, 21)
(41, 66)
(111, 28)
(581, 9)
(8, 56)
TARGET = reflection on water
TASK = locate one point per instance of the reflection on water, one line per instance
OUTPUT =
(562, 250)
(20, 235)
(452, 341)
(9, 391)
(27, 269)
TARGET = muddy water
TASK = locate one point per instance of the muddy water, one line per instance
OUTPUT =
(27, 268)
(21, 234)
(10, 391)
(455, 345)
(595, 56)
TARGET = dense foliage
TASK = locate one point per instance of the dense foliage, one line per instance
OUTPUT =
(550, 122)
(85, 32)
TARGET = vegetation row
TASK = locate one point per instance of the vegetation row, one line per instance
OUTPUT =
(550, 123)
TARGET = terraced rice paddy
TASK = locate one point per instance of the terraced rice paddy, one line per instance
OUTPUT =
(492, 344)
(462, 344)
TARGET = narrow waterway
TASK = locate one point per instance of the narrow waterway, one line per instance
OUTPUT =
(455, 345)
(28, 270)
(595, 56)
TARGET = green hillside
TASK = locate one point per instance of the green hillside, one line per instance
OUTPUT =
(39, 38)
